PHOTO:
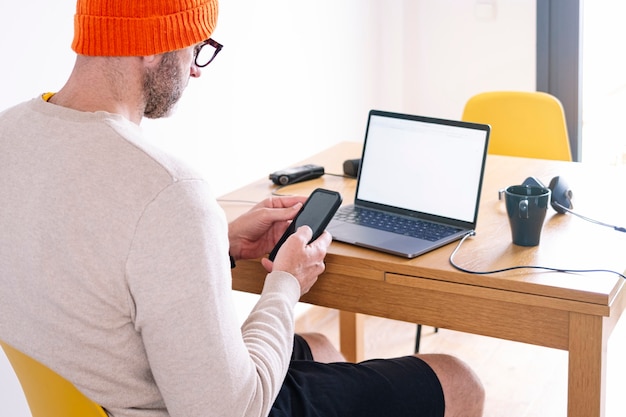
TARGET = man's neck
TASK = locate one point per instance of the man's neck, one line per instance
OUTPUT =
(105, 84)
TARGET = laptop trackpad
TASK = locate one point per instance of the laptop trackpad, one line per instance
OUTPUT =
(377, 239)
(403, 245)
(351, 233)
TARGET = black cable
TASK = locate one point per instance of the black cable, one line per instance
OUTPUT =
(511, 268)
(619, 229)
(228, 200)
(276, 191)
(339, 175)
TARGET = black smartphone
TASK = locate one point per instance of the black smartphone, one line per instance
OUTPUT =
(316, 213)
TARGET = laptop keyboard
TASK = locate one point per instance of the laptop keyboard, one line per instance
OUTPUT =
(396, 224)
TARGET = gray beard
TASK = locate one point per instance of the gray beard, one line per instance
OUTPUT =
(162, 87)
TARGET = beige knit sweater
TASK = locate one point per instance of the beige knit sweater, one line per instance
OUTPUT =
(114, 272)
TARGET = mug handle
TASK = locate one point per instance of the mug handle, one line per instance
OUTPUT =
(523, 209)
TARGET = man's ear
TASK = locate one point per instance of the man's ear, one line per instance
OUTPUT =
(151, 60)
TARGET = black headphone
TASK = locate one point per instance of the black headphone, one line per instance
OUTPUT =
(561, 199)
(560, 193)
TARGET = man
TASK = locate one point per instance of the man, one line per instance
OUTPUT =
(115, 258)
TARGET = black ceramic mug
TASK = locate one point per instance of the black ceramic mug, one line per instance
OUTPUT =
(526, 206)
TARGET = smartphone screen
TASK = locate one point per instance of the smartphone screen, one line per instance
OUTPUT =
(316, 213)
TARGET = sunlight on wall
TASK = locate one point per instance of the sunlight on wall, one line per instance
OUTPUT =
(604, 82)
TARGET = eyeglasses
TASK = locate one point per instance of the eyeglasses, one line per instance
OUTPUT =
(206, 52)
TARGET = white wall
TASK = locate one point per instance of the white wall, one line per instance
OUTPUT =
(457, 48)
(293, 78)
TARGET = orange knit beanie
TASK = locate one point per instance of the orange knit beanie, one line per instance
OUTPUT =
(141, 27)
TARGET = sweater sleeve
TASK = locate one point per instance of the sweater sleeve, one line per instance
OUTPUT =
(180, 298)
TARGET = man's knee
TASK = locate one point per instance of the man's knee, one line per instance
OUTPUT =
(463, 391)
(321, 348)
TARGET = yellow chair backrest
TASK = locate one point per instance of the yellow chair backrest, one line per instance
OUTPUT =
(49, 394)
(528, 124)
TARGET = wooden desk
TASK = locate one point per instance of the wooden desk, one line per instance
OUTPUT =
(573, 312)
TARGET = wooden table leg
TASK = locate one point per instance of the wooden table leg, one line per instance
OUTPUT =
(587, 367)
(351, 339)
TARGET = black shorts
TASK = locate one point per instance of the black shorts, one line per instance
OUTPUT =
(397, 387)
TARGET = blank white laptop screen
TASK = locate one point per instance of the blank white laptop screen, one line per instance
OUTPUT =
(426, 167)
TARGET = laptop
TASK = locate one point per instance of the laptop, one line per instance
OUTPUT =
(418, 186)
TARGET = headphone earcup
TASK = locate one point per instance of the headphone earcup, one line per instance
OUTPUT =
(351, 167)
(561, 200)
(534, 182)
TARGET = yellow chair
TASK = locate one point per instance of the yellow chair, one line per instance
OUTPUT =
(49, 394)
(528, 124)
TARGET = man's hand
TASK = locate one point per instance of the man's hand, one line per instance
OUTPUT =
(255, 233)
(302, 260)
